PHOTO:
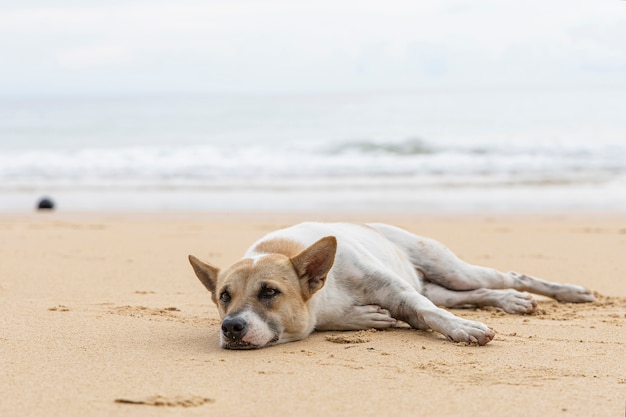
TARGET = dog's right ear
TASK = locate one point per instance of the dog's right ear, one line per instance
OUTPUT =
(313, 264)
(206, 273)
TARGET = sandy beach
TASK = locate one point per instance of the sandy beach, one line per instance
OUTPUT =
(101, 314)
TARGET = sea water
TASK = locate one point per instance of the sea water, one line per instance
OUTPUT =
(465, 150)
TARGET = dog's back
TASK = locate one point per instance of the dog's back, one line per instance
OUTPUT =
(360, 248)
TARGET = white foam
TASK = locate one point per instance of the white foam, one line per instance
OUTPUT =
(398, 150)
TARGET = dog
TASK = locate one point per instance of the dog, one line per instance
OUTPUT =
(342, 276)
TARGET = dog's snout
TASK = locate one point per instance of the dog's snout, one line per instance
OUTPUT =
(234, 328)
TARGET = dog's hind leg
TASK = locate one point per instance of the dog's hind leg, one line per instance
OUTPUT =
(441, 266)
(511, 301)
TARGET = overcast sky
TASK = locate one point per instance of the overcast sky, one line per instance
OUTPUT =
(106, 46)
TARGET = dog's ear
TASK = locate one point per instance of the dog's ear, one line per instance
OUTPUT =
(313, 263)
(206, 273)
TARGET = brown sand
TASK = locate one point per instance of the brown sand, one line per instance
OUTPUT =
(102, 315)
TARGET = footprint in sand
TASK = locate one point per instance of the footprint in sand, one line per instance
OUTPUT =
(140, 311)
(362, 336)
(166, 401)
(60, 307)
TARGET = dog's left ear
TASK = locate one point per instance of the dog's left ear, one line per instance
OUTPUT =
(206, 273)
(313, 264)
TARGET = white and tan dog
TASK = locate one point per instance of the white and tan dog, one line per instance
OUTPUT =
(318, 276)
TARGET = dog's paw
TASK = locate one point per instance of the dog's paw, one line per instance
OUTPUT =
(470, 332)
(370, 317)
(515, 302)
(569, 293)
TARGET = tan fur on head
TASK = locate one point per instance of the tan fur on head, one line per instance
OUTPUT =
(282, 246)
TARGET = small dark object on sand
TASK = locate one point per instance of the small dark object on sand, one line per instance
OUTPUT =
(45, 203)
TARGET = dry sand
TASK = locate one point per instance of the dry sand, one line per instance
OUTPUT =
(102, 315)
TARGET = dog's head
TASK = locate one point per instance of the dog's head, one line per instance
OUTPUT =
(263, 301)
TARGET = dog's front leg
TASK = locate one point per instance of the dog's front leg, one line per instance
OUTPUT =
(359, 317)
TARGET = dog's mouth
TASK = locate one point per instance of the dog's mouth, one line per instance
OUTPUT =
(241, 345)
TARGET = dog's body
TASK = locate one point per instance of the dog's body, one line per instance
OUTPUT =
(344, 276)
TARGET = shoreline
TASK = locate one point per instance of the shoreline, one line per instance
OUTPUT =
(251, 216)
(553, 198)
(98, 307)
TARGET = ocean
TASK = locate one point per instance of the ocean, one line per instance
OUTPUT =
(509, 150)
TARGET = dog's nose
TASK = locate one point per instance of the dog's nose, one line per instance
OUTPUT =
(234, 328)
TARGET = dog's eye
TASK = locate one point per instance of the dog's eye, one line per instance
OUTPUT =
(225, 297)
(268, 292)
